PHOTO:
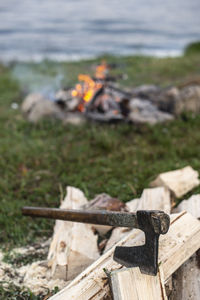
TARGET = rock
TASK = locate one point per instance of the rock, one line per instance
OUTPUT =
(36, 107)
(45, 109)
(177, 101)
(66, 101)
(74, 118)
(146, 91)
(189, 100)
(167, 100)
(72, 104)
(107, 117)
(30, 101)
(63, 94)
(143, 111)
(138, 104)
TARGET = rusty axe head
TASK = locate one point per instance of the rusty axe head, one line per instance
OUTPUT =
(152, 223)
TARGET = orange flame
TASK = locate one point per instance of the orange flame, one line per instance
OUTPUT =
(87, 89)
(102, 70)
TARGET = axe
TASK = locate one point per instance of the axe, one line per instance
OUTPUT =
(151, 222)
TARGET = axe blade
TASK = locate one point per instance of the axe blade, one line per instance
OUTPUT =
(146, 256)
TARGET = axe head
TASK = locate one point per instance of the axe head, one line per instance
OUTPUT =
(153, 223)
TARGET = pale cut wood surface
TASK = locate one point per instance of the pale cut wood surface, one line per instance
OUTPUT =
(191, 205)
(180, 243)
(130, 284)
(179, 182)
(187, 281)
(132, 204)
(157, 198)
(74, 245)
(175, 248)
(187, 277)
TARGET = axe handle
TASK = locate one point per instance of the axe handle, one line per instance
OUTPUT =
(100, 217)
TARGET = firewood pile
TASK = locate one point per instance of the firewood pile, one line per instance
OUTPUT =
(80, 256)
(100, 98)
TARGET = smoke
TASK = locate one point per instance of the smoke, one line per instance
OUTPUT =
(37, 78)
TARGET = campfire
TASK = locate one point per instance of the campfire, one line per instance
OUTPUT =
(97, 96)
(100, 98)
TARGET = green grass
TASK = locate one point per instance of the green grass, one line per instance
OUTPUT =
(193, 48)
(38, 161)
(15, 293)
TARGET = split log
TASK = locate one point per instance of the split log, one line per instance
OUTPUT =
(192, 205)
(155, 199)
(181, 241)
(186, 283)
(132, 205)
(74, 245)
(179, 182)
(116, 235)
(130, 284)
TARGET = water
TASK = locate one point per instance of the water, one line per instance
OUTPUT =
(74, 29)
